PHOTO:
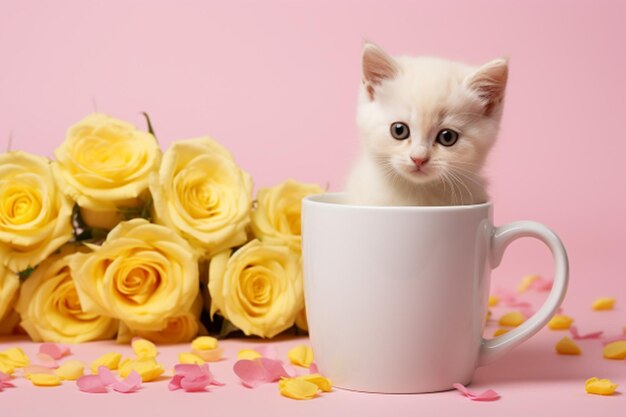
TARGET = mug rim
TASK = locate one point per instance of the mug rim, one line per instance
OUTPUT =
(331, 200)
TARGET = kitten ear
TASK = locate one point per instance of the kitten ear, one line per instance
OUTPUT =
(489, 83)
(377, 67)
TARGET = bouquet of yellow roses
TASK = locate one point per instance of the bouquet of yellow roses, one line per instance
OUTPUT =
(115, 238)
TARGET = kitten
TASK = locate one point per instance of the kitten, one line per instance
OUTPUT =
(427, 126)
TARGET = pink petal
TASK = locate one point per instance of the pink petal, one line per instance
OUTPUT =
(4, 377)
(267, 351)
(313, 369)
(576, 336)
(175, 382)
(92, 384)
(274, 368)
(195, 384)
(188, 369)
(107, 377)
(541, 284)
(251, 373)
(131, 384)
(55, 350)
(619, 337)
(47, 361)
(489, 395)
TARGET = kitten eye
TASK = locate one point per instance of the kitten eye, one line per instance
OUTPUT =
(400, 130)
(447, 137)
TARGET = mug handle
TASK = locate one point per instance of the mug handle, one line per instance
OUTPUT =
(492, 349)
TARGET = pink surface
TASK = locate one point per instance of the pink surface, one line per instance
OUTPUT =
(276, 83)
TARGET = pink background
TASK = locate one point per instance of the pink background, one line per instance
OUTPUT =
(276, 82)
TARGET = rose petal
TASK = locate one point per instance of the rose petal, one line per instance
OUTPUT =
(212, 355)
(301, 355)
(4, 377)
(577, 336)
(37, 369)
(197, 384)
(107, 377)
(174, 383)
(71, 370)
(313, 369)
(55, 350)
(275, 368)
(92, 384)
(131, 384)
(489, 395)
(267, 351)
(46, 360)
(45, 380)
(298, 389)
(252, 373)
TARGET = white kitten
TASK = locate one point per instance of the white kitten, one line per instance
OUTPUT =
(427, 126)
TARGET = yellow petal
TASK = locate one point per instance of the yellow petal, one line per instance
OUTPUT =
(512, 319)
(493, 300)
(600, 386)
(6, 367)
(14, 357)
(560, 322)
(111, 360)
(526, 282)
(249, 354)
(566, 346)
(190, 358)
(615, 350)
(297, 389)
(500, 332)
(212, 355)
(144, 348)
(44, 380)
(204, 343)
(71, 370)
(322, 383)
(148, 368)
(605, 303)
(301, 355)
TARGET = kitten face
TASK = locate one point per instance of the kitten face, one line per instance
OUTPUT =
(427, 119)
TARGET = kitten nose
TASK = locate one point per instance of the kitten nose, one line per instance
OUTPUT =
(419, 161)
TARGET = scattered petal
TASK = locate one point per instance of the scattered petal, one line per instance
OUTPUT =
(605, 303)
(4, 381)
(313, 369)
(298, 389)
(46, 360)
(301, 355)
(611, 339)
(144, 348)
(493, 300)
(44, 380)
(489, 395)
(212, 355)
(566, 346)
(204, 343)
(526, 282)
(512, 319)
(577, 336)
(148, 368)
(6, 368)
(248, 354)
(500, 332)
(322, 383)
(615, 350)
(267, 351)
(71, 370)
(55, 350)
(600, 386)
(106, 376)
(253, 373)
(190, 358)
(14, 357)
(92, 384)
(192, 378)
(131, 384)
(111, 360)
(37, 369)
(560, 322)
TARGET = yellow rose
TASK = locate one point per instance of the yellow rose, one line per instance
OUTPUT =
(143, 274)
(201, 193)
(9, 325)
(104, 164)
(35, 218)
(179, 329)
(9, 284)
(50, 308)
(278, 211)
(258, 288)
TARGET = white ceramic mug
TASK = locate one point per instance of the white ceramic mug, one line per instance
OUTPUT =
(396, 297)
